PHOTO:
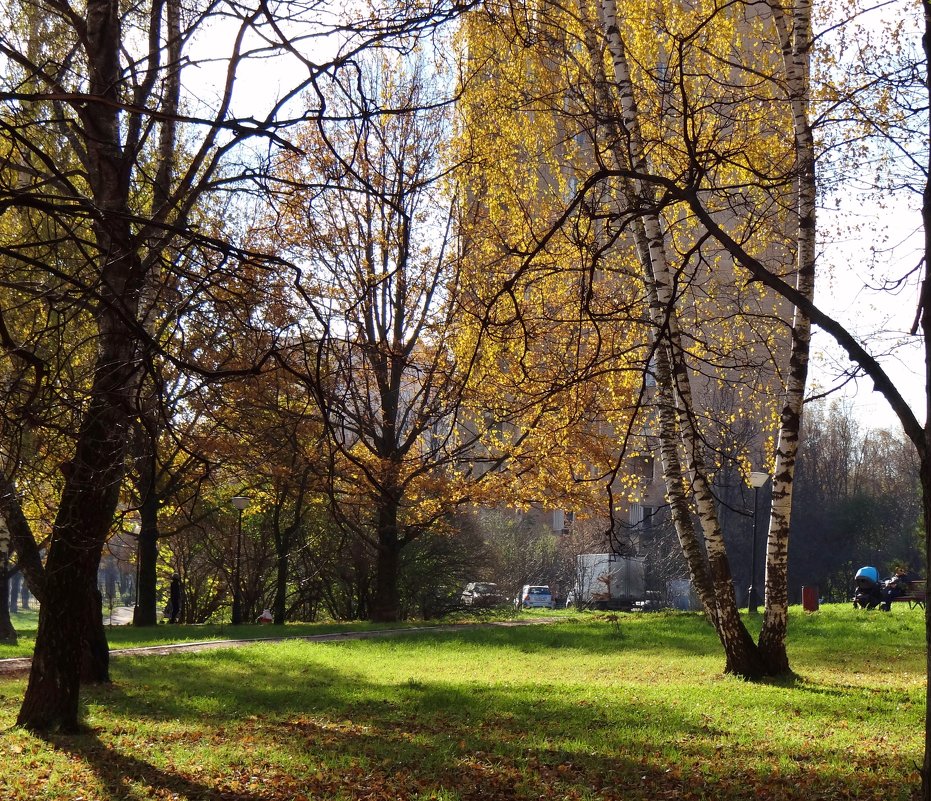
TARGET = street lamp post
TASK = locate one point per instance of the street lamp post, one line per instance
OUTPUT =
(137, 529)
(757, 480)
(239, 503)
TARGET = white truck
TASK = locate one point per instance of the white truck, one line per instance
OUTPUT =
(608, 581)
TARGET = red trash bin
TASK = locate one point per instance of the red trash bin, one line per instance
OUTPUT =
(810, 599)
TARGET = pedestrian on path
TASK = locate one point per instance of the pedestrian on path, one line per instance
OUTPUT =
(175, 599)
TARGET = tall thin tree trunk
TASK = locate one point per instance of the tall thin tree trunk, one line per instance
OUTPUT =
(149, 421)
(282, 547)
(796, 44)
(924, 321)
(386, 604)
(681, 511)
(742, 657)
(146, 610)
(15, 580)
(925, 471)
(7, 631)
(284, 540)
(281, 586)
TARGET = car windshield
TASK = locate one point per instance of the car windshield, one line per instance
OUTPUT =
(539, 590)
(485, 587)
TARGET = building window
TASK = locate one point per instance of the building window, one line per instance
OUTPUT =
(562, 521)
(641, 519)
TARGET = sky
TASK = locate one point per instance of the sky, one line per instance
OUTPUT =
(866, 238)
(887, 244)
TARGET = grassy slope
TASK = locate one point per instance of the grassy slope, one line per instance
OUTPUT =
(584, 710)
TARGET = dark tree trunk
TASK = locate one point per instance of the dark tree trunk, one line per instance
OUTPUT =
(358, 581)
(92, 482)
(742, 657)
(925, 472)
(924, 447)
(15, 581)
(93, 476)
(146, 610)
(95, 653)
(284, 540)
(281, 586)
(62, 649)
(51, 700)
(29, 559)
(386, 603)
(7, 632)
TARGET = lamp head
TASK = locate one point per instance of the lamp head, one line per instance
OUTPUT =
(239, 502)
(757, 479)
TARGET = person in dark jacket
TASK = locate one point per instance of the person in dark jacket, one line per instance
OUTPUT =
(895, 587)
(175, 596)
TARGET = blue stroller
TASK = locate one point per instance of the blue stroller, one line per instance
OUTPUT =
(867, 589)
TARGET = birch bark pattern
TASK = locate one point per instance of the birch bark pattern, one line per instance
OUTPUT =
(741, 654)
(689, 539)
(796, 47)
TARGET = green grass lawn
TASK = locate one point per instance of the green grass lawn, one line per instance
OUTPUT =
(26, 623)
(582, 709)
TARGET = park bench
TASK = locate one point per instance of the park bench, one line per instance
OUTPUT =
(914, 594)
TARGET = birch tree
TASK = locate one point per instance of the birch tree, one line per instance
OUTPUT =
(639, 233)
(884, 103)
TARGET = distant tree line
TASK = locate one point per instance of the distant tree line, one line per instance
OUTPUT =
(858, 502)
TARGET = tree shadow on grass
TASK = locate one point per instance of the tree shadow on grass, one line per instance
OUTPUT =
(398, 776)
(305, 727)
(230, 684)
(118, 772)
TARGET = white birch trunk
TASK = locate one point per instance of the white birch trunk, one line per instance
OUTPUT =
(741, 656)
(664, 401)
(796, 45)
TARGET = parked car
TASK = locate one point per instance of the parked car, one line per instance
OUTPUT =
(652, 603)
(535, 596)
(482, 593)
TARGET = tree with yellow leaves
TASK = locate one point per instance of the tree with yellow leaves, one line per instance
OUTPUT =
(676, 384)
(583, 139)
(550, 309)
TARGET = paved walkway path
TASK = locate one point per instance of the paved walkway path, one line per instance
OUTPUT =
(16, 666)
(118, 616)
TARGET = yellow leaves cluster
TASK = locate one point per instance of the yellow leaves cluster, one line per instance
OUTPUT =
(554, 298)
(551, 318)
